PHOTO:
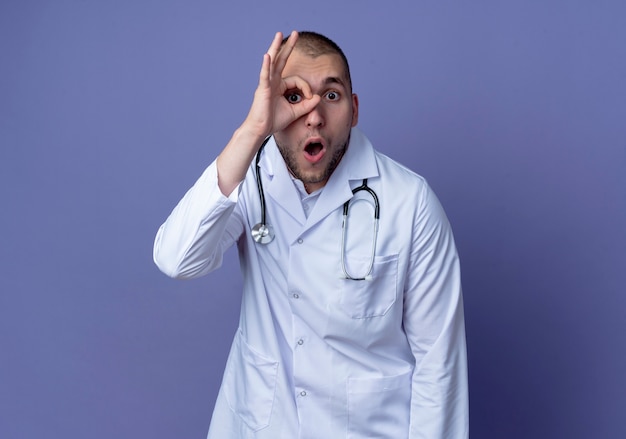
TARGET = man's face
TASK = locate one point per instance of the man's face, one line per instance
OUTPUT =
(313, 145)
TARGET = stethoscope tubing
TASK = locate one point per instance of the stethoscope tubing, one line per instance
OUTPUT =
(259, 183)
(262, 232)
(346, 207)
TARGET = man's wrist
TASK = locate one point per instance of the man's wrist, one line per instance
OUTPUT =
(249, 137)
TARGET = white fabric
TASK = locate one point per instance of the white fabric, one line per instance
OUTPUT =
(317, 355)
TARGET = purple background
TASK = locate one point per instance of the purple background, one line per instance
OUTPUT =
(109, 110)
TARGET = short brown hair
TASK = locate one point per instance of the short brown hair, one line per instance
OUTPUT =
(314, 44)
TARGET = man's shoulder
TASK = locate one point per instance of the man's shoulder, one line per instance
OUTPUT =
(391, 169)
(390, 172)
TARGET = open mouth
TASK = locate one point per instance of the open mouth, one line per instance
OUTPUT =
(313, 148)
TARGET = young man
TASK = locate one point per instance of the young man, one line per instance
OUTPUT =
(351, 326)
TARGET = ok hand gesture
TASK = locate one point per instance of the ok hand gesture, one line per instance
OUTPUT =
(270, 111)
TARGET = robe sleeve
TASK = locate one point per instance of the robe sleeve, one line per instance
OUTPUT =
(434, 323)
(203, 225)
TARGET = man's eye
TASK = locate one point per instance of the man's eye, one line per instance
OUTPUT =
(293, 98)
(332, 95)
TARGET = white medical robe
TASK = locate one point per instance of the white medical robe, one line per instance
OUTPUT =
(316, 355)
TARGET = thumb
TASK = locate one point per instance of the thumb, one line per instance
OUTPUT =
(306, 106)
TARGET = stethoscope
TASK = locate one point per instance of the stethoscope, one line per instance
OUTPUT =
(263, 233)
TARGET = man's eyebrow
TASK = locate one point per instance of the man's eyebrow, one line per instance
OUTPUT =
(334, 80)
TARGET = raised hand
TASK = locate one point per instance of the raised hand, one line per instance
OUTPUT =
(270, 111)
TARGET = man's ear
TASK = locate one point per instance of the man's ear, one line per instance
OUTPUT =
(355, 109)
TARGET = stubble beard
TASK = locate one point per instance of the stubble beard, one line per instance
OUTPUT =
(314, 176)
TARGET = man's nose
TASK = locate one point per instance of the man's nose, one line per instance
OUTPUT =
(315, 118)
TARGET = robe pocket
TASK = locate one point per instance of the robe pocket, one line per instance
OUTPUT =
(372, 297)
(250, 384)
(379, 407)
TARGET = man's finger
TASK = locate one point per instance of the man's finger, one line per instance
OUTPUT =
(285, 51)
(306, 106)
(297, 83)
(275, 46)
(264, 76)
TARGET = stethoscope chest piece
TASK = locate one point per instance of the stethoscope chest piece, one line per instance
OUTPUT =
(262, 233)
